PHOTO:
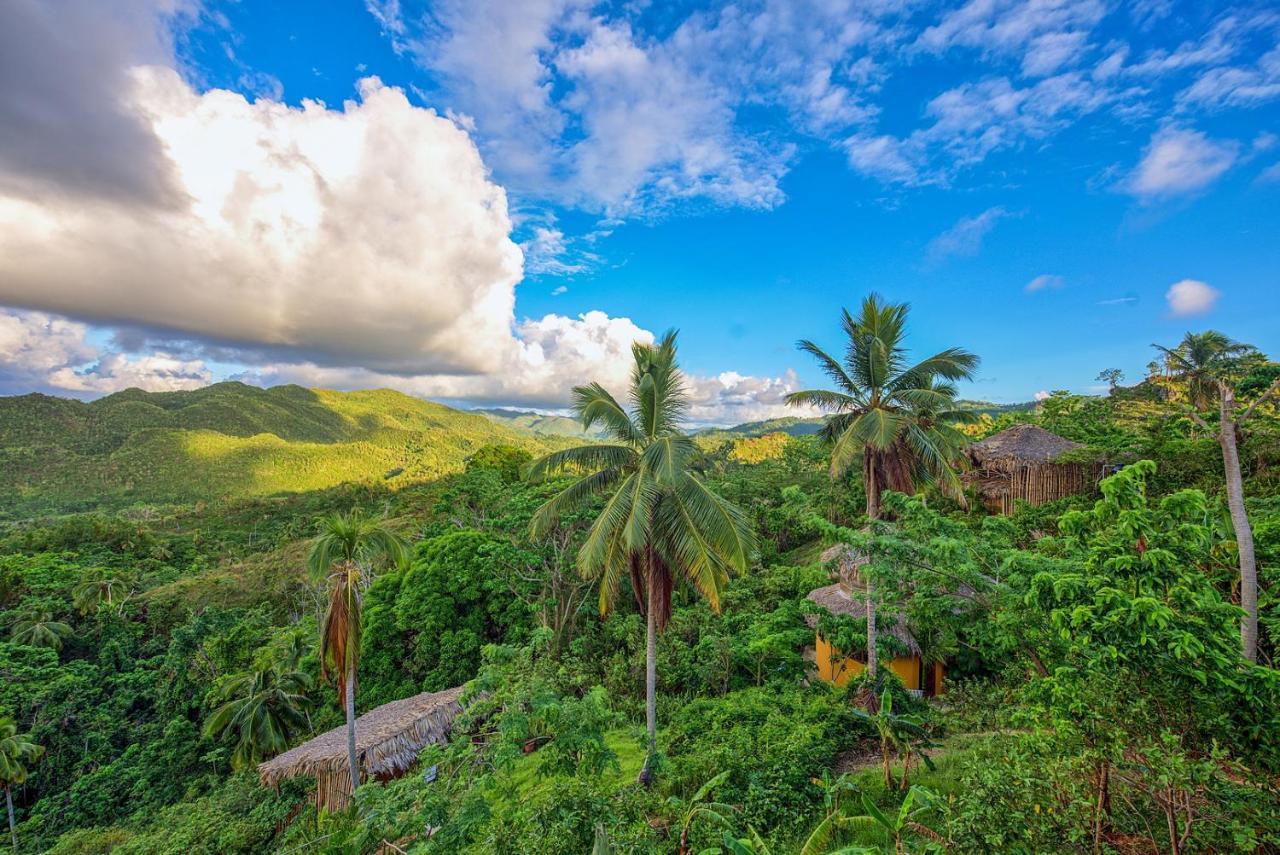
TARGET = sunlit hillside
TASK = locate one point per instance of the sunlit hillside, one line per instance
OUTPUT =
(226, 440)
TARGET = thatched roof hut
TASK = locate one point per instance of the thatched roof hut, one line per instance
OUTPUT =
(1022, 463)
(388, 739)
(849, 563)
(838, 599)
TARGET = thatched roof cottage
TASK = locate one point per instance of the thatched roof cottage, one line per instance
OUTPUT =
(388, 739)
(1022, 463)
(848, 597)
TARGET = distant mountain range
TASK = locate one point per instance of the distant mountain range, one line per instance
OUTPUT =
(231, 440)
(544, 424)
(529, 421)
(228, 440)
(806, 427)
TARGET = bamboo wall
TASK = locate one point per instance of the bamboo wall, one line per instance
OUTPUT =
(333, 790)
(1035, 485)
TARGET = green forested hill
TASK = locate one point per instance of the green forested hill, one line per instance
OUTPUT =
(225, 440)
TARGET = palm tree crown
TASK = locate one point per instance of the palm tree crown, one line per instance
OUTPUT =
(354, 538)
(103, 587)
(41, 630)
(17, 753)
(262, 709)
(898, 417)
(660, 521)
(1201, 360)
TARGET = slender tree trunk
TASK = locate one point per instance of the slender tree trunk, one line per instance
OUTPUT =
(1239, 522)
(13, 831)
(352, 764)
(651, 676)
(873, 513)
(1171, 820)
(1104, 801)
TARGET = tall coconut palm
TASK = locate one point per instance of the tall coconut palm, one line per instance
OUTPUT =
(262, 709)
(39, 629)
(17, 754)
(345, 553)
(1208, 365)
(660, 522)
(895, 418)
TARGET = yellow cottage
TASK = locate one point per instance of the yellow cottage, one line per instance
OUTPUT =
(846, 598)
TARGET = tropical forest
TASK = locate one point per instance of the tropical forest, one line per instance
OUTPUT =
(237, 619)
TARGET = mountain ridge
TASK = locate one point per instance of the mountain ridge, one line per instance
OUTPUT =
(228, 439)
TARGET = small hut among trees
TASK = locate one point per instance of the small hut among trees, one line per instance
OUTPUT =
(848, 598)
(1022, 463)
(388, 739)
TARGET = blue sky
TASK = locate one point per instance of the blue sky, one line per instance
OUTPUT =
(1054, 185)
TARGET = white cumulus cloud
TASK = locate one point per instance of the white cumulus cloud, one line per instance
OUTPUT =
(46, 353)
(1190, 297)
(1178, 161)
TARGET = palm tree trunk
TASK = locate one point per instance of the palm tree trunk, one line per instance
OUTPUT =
(1239, 522)
(651, 675)
(873, 513)
(13, 831)
(352, 765)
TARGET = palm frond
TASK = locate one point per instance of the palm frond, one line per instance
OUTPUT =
(823, 399)
(577, 493)
(594, 404)
(668, 457)
(583, 457)
(830, 366)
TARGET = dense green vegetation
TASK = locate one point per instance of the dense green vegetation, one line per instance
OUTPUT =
(161, 635)
(228, 440)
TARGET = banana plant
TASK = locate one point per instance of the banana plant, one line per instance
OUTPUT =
(701, 805)
(900, 734)
(917, 801)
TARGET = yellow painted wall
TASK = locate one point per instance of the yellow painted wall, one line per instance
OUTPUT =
(838, 669)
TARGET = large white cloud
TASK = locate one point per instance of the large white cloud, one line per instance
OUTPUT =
(370, 234)
(348, 247)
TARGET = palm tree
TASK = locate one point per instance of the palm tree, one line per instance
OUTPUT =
(897, 419)
(659, 522)
(17, 753)
(345, 553)
(39, 629)
(262, 709)
(1208, 364)
(103, 587)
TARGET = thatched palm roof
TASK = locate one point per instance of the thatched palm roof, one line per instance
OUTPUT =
(388, 739)
(1020, 445)
(840, 601)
